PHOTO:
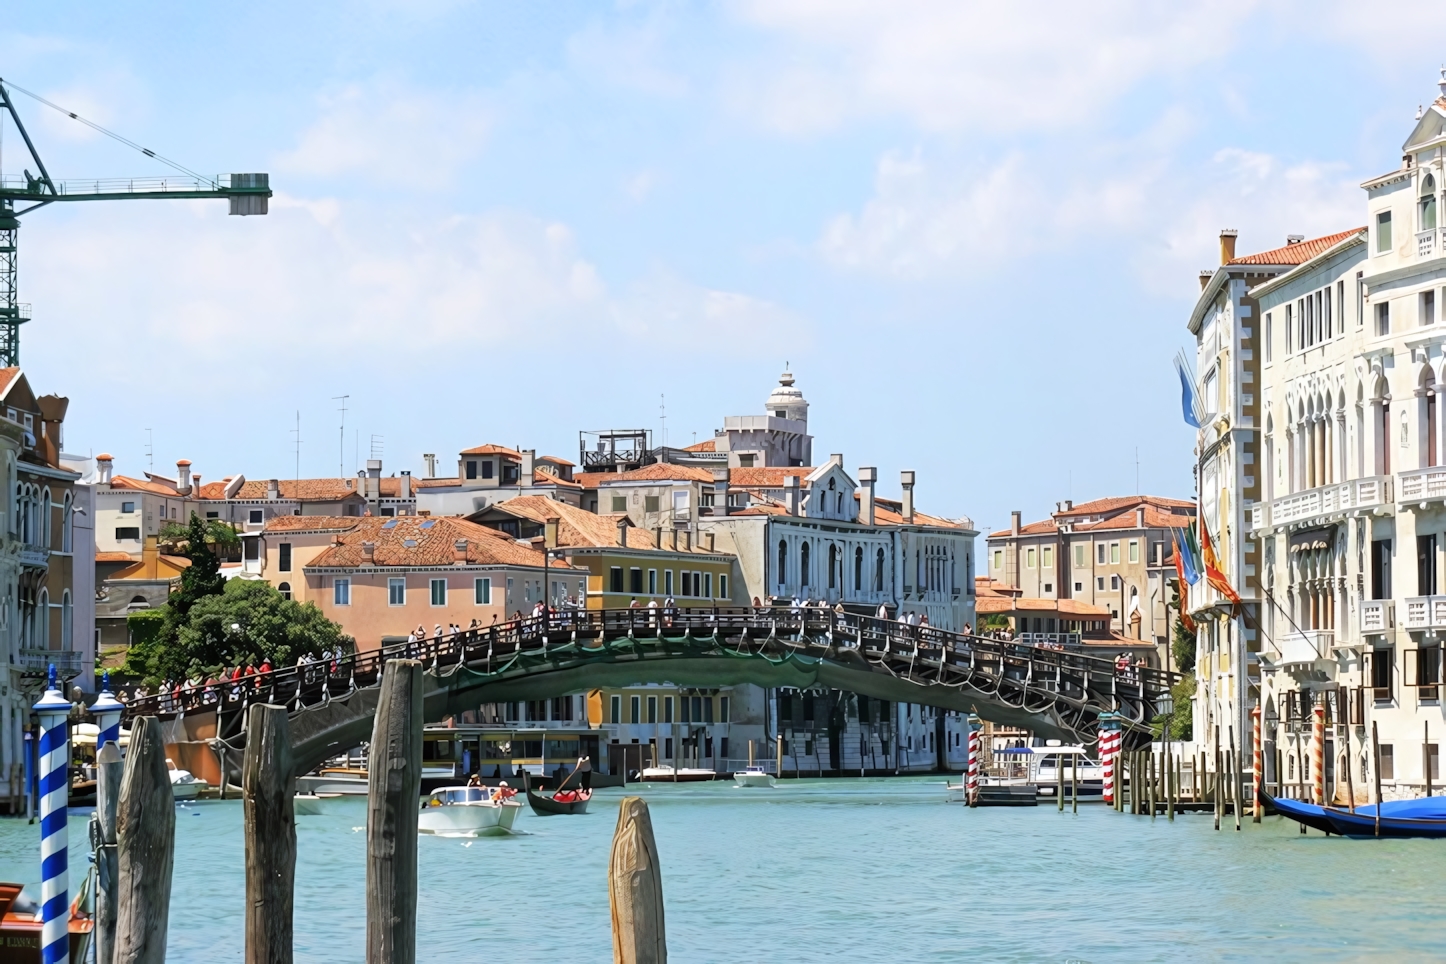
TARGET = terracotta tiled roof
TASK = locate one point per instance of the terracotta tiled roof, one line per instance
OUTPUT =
(891, 513)
(1119, 513)
(985, 586)
(1300, 252)
(436, 483)
(7, 378)
(141, 485)
(493, 450)
(555, 460)
(114, 557)
(579, 527)
(996, 605)
(300, 523)
(766, 477)
(425, 543)
(544, 477)
(707, 445)
(302, 490)
(661, 472)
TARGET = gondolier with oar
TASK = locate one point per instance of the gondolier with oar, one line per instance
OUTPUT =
(583, 771)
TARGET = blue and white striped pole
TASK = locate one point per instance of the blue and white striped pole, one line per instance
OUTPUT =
(107, 711)
(54, 712)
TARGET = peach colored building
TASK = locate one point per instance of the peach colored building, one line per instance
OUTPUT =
(381, 578)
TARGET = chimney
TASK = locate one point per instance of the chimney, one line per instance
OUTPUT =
(1139, 517)
(431, 460)
(1068, 504)
(1014, 519)
(369, 551)
(623, 531)
(529, 458)
(906, 479)
(790, 493)
(720, 491)
(183, 476)
(549, 528)
(103, 465)
(708, 540)
(868, 475)
(196, 482)
(1205, 276)
(273, 489)
(837, 459)
(406, 483)
(374, 479)
(459, 552)
(1293, 239)
(1227, 245)
(150, 555)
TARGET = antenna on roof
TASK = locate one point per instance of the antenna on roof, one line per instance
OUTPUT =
(663, 418)
(341, 437)
(297, 432)
(150, 451)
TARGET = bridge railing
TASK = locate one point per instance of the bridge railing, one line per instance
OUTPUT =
(819, 632)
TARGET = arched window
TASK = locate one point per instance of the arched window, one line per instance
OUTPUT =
(285, 590)
(782, 563)
(67, 622)
(67, 528)
(879, 572)
(42, 620)
(1428, 203)
(803, 565)
(45, 517)
(859, 569)
(832, 565)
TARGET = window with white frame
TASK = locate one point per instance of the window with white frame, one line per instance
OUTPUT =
(341, 592)
(439, 592)
(1383, 232)
(482, 592)
(396, 591)
(256, 516)
(722, 585)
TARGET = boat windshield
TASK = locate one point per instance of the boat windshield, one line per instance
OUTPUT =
(460, 795)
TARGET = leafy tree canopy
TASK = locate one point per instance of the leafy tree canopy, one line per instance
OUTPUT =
(246, 623)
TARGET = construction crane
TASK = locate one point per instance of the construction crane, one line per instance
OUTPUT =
(248, 194)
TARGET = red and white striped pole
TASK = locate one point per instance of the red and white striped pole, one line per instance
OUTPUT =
(971, 786)
(1317, 754)
(1109, 747)
(1257, 772)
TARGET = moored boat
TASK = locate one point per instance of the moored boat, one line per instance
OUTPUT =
(184, 784)
(753, 776)
(1310, 814)
(468, 811)
(563, 801)
(669, 774)
(306, 805)
(21, 924)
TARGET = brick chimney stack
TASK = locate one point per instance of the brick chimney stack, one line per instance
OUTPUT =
(906, 479)
(1227, 245)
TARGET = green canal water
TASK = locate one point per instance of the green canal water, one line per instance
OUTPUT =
(833, 870)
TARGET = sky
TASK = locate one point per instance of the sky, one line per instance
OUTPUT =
(972, 231)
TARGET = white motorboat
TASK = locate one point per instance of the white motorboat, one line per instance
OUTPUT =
(184, 784)
(753, 776)
(334, 781)
(306, 805)
(468, 812)
(667, 774)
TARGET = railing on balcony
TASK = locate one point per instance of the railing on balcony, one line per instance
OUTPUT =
(1323, 500)
(37, 557)
(1378, 616)
(1306, 646)
(1427, 242)
(1419, 485)
(1424, 612)
(66, 662)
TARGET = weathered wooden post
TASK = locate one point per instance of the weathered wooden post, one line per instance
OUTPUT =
(270, 835)
(110, 770)
(1350, 767)
(1219, 804)
(1154, 781)
(1059, 779)
(635, 888)
(146, 838)
(1376, 771)
(394, 784)
(1169, 783)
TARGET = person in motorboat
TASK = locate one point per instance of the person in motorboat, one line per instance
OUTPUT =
(504, 792)
(475, 780)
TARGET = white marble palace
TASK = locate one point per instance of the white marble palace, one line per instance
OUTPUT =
(1322, 473)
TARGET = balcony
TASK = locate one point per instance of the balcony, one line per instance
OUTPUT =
(1428, 243)
(1303, 649)
(1424, 612)
(34, 557)
(1315, 505)
(38, 661)
(1422, 485)
(1377, 616)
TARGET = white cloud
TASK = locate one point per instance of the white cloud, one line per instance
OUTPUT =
(385, 132)
(947, 65)
(633, 55)
(664, 311)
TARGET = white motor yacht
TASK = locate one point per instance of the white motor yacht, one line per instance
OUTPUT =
(468, 812)
(306, 805)
(184, 784)
(753, 776)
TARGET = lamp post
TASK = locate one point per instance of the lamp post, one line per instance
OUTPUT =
(54, 712)
(107, 711)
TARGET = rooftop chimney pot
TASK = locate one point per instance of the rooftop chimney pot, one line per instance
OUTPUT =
(906, 479)
(868, 475)
(1014, 520)
(1227, 245)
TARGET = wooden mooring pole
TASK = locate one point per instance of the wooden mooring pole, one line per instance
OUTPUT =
(1169, 783)
(635, 888)
(145, 841)
(1350, 768)
(270, 835)
(1376, 771)
(1154, 780)
(1219, 804)
(393, 785)
(110, 771)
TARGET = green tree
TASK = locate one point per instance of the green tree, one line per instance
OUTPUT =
(246, 623)
(1180, 720)
(197, 541)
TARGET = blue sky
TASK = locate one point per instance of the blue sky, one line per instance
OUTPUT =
(974, 233)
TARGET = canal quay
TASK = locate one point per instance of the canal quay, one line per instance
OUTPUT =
(818, 870)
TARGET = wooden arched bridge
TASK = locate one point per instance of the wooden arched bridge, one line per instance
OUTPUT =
(1055, 693)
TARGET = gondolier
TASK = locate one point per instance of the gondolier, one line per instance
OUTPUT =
(583, 771)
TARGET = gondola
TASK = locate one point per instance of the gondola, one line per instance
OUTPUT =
(547, 806)
(1307, 813)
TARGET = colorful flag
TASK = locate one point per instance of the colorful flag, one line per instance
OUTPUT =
(1213, 575)
(1184, 586)
(1189, 555)
(1189, 396)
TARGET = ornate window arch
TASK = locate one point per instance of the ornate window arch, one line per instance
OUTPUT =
(803, 564)
(67, 525)
(782, 562)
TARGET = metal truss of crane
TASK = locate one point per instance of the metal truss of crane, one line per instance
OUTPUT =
(247, 194)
